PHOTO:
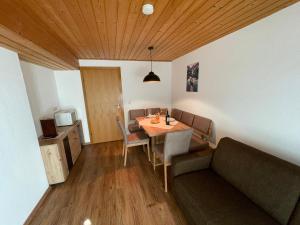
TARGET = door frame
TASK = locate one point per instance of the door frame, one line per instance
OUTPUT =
(85, 99)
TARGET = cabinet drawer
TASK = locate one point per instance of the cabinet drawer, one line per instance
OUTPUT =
(75, 146)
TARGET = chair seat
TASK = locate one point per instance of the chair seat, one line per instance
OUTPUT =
(197, 144)
(206, 198)
(134, 128)
(137, 138)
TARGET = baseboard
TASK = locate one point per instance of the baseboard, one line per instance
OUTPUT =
(38, 206)
(86, 143)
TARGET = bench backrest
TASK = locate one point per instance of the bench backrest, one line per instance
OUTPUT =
(176, 114)
(187, 118)
(152, 111)
(202, 126)
(134, 113)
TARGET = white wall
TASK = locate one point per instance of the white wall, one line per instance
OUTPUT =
(70, 94)
(42, 93)
(136, 94)
(23, 179)
(249, 84)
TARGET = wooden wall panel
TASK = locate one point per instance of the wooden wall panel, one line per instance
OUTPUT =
(31, 52)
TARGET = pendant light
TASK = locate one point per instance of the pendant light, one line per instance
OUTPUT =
(151, 77)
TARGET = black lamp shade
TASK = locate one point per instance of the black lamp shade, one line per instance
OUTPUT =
(151, 77)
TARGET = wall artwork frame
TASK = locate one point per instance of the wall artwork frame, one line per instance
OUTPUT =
(192, 77)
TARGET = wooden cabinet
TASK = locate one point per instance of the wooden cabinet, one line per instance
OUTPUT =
(55, 163)
(75, 144)
(60, 154)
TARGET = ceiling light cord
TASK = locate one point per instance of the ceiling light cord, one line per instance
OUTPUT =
(151, 77)
(151, 58)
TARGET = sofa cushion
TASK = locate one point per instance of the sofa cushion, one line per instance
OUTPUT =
(187, 118)
(197, 144)
(176, 114)
(207, 199)
(270, 182)
(134, 128)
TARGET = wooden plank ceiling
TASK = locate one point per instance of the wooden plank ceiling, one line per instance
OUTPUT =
(56, 33)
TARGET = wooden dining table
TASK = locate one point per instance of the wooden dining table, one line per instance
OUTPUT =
(154, 130)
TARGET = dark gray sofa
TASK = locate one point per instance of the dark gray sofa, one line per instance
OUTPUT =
(236, 185)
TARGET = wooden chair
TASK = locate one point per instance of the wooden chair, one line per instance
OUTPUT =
(175, 143)
(131, 140)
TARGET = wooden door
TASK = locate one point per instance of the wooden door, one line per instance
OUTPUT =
(103, 100)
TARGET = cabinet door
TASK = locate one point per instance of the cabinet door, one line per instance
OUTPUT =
(75, 144)
(54, 165)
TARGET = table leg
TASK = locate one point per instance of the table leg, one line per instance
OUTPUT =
(153, 139)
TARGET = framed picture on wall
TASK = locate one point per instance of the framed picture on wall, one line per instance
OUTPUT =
(192, 77)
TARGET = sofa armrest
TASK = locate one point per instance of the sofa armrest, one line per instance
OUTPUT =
(190, 162)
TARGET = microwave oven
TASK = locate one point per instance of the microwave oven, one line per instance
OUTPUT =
(65, 117)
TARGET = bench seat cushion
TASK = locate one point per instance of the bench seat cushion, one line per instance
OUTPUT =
(198, 145)
(207, 199)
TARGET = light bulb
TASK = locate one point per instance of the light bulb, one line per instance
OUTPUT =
(148, 9)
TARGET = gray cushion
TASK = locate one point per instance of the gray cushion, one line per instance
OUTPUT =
(207, 199)
(271, 183)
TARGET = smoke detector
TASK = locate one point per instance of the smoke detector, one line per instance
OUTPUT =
(148, 9)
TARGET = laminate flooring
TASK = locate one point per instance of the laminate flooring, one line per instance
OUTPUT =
(101, 191)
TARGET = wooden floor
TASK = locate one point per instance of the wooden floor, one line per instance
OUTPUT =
(100, 189)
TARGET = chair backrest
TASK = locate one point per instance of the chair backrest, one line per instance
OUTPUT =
(187, 118)
(202, 126)
(122, 128)
(152, 111)
(134, 113)
(176, 114)
(177, 143)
